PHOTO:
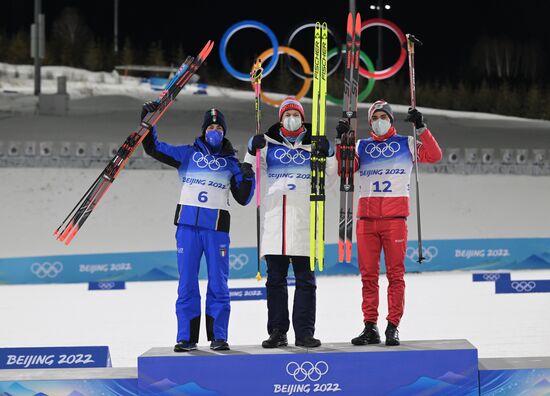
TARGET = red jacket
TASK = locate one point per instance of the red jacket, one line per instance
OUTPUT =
(395, 206)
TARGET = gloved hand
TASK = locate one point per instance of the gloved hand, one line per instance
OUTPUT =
(149, 107)
(257, 142)
(342, 128)
(416, 118)
(324, 146)
(246, 170)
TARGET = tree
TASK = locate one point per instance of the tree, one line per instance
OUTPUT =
(155, 55)
(127, 56)
(93, 58)
(18, 50)
(72, 36)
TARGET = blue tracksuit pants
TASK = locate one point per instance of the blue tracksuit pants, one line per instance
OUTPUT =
(192, 242)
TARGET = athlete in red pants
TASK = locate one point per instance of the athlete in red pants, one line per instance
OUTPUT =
(384, 164)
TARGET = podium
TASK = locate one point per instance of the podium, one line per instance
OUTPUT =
(448, 367)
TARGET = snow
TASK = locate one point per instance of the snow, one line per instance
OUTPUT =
(17, 81)
(438, 306)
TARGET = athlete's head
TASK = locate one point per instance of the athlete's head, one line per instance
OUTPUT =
(214, 128)
(291, 114)
(380, 117)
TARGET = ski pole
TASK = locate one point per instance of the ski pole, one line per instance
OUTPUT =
(411, 41)
(256, 77)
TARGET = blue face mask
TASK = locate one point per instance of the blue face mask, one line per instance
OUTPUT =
(214, 138)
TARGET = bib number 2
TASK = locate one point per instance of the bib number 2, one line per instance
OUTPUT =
(386, 186)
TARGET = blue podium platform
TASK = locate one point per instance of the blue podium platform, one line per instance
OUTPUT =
(526, 376)
(69, 382)
(443, 367)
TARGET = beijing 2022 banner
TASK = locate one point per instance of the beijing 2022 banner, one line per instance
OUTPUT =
(439, 255)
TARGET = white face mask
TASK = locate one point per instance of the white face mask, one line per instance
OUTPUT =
(292, 123)
(380, 127)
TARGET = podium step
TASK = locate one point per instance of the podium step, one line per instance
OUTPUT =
(73, 382)
(447, 367)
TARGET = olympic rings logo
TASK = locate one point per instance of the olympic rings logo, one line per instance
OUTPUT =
(307, 370)
(491, 277)
(209, 161)
(298, 157)
(523, 286)
(375, 150)
(427, 253)
(106, 285)
(46, 269)
(276, 49)
(238, 262)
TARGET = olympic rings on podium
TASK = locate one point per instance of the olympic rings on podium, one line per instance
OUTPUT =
(269, 53)
(370, 85)
(390, 71)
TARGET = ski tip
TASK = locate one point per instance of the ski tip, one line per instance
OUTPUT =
(258, 276)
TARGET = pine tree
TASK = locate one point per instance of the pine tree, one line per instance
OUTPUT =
(19, 48)
(155, 55)
(93, 58)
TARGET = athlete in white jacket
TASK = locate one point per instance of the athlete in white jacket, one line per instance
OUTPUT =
(285, 158)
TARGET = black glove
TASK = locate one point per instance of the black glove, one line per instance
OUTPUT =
(416, 118)
(149, 107)
(246, 170)
(258, 142)
(324, 146)
(342, 128)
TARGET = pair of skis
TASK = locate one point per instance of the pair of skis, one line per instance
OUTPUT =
(318, 160)
(82, 210)
(256, 79)
(347, 142)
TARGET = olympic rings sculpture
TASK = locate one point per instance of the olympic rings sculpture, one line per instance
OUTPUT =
(275, 50)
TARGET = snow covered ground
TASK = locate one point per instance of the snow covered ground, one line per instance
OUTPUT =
(438, 306)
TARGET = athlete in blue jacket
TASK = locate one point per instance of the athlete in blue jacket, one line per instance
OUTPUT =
(208, 170)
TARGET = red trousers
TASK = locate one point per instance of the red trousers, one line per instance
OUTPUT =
(373, 235)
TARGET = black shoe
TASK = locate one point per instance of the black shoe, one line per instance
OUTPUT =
(369, 335)
(185, 346)
(219, 345)
(392, 334)
(276, 339)
(308, 342)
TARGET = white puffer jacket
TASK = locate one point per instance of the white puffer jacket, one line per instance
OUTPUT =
(286, 187)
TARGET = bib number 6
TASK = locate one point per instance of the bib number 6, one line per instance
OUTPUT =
(386, 186)
(203, 196)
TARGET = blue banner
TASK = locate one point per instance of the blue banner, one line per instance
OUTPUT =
(54, 357)
(248, 293)
(440, 255)
(505, 285)
(107, 285)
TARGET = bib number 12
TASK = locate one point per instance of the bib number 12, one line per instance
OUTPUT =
(386, 186)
